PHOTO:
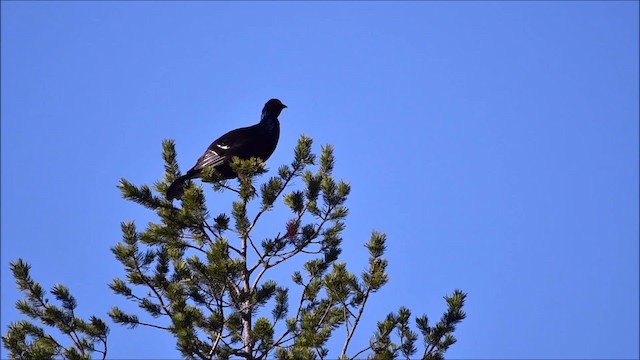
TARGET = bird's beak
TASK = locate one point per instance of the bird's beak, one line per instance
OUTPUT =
(284, 106)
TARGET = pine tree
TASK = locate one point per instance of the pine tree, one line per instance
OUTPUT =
(203, 276)
(26, 340)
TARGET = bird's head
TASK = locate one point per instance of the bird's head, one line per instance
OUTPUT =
(273, 107)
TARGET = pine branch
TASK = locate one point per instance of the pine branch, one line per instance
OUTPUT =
(83, 335)
(216, 278)
(280, 341)
(355, 324)
(146, 281)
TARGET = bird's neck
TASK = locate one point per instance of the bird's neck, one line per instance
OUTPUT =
(269, 120)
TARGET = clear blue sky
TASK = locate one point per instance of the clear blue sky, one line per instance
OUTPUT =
(496, 143)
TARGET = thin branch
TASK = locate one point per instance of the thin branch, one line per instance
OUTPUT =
(360, 352)
(45, 306)
(221, 310)
(259, 276)
(246, 306)
(346, 318)
(222, 185)
(201, 355)
(326, 312)
(346, 307)
(236, 287)
(428, 349)
(260, 256)
(285, 256)
(191, 246)
(219, 236)
(146, 281)
(297, 250)
(234, 249)
(104, 341)
(285, 340)
(151, 325)
(222, 339)
(77, 340)
(298, 311)
(211, 229)
(311, 252)
(355, 323)
(293, 174)
(215, 344)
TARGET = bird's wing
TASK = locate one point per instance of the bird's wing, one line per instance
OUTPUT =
(209, 158)
(223, 148)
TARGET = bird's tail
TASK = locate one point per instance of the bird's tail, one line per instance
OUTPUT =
(176, 189)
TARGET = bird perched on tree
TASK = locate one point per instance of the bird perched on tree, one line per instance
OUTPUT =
(259, 141)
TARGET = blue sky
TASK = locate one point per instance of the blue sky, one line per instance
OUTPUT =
(496, 143)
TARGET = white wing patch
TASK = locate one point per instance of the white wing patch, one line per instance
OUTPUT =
(210, 158)
(223, 146)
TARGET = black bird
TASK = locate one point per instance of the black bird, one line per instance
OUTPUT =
(259, 141)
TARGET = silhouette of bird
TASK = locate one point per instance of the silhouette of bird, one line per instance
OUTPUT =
(259, 141)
